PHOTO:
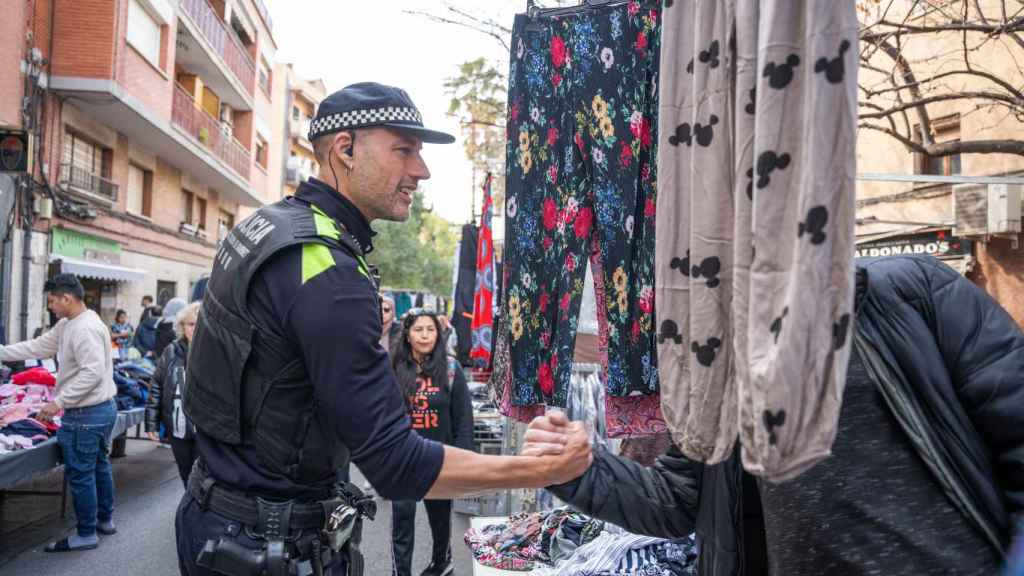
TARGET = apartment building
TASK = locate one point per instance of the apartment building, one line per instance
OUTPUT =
(156, 132)
(303, 98)
(975, 227)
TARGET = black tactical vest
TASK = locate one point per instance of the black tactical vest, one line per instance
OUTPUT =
(244, 386)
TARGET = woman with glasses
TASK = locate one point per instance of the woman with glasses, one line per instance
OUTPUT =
(164, 405)
(439, 406)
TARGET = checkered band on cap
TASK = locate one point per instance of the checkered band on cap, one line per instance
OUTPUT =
(363, 118)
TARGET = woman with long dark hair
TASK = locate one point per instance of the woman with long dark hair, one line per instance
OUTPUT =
(439, 406)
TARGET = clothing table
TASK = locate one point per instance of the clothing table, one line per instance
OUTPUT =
(479, 569)
(127, 419)
(17, 467)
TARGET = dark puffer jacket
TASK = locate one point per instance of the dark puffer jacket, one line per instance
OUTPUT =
(950, 363)
(169, 374)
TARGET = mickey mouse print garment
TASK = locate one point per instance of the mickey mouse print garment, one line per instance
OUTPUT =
(694, 272)
(755, 227)
(581, 186)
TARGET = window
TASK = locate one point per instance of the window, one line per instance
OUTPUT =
(186, 214)
(201, 220)
(143, 32)
(82, 154)
(165, 290)
(266, 76)
(225, 222)
(946, 130)
(140, 191)
(261, 151)
(296, 114)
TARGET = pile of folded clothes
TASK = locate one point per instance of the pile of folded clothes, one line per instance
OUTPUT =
(20, 401)
(132, 379)
(563, 542)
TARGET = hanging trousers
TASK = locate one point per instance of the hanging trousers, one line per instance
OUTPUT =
(581, 186)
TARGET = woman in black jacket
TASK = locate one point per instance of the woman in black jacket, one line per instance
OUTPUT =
(439, 405)
(164, 405)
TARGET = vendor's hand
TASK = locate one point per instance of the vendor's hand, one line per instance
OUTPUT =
(546, 435)
(48, 412)
(576, 456)
(153, 436)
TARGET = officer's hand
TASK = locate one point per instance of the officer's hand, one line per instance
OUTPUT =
(546, 436)
(576, 457)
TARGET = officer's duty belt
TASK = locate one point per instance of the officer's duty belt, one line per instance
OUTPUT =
(244, 509)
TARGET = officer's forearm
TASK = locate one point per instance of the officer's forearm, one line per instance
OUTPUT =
(466, 472)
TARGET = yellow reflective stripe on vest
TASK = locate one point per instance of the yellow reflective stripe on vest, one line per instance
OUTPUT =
(328, 228)
(325, 225)
(316, 258)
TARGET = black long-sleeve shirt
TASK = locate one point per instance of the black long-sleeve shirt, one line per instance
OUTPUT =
(444, 414)
(333, 323)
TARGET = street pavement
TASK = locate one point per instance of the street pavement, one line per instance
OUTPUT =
(148, 491)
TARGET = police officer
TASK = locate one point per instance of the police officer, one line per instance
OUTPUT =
(287, 381)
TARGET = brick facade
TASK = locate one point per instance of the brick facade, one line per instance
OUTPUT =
(1000, 271)
(90, 43)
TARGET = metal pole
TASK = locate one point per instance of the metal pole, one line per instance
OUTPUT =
(26, 258)
(936, 179)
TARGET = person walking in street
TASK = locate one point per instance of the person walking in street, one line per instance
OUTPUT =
(85, 392)
(286, 378)
(927, 468)
(145, 333)
(166, 332)
(392, 330)
(147, 309)
(164, 406)
(121, 331)
(439, 405)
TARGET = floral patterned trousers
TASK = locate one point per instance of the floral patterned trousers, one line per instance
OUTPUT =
(581, 162)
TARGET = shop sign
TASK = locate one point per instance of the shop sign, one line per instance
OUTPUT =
(941, 244)
(75, 244)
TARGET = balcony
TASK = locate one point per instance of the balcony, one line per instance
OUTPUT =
(205, 129)
(84, 182)
(219, 39)
(300, 128)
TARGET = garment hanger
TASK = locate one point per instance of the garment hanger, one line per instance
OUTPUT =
(535, 12)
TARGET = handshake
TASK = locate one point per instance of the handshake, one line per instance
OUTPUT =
(566, 444)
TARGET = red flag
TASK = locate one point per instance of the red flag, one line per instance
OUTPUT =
(483, 294)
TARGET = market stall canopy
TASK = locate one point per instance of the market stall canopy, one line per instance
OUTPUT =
(97, 270)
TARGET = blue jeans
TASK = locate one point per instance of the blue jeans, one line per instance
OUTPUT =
(84, 439)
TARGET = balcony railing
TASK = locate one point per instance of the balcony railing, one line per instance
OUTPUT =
(223, 40)
(205, 128)
(84, 181)
(300, 128)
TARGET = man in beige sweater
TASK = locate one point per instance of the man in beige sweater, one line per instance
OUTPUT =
(80, 342)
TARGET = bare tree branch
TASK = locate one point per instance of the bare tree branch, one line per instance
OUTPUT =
(994, 96)
(475, 25)
(1015, 147)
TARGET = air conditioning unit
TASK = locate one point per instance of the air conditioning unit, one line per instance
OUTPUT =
(987, 210)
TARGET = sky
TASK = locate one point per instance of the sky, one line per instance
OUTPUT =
(348, 41)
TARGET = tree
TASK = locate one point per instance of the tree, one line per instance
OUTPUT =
(416, 254)
(920, 58)
(916, 58)
(479, 100)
